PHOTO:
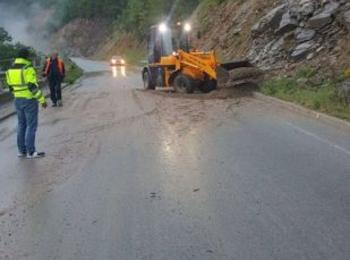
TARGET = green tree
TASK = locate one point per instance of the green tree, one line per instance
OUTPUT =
(4, 36)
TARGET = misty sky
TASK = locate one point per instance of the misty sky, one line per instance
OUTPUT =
(19, 25)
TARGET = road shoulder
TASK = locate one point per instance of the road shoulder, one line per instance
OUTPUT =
(330, 120)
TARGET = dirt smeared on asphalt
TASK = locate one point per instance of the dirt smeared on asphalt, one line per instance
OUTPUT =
(157, 175)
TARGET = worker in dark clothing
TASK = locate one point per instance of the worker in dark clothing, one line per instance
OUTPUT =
(55, 72)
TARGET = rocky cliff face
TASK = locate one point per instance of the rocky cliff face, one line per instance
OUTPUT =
(80, 37)
(302, 31)
(278, 34)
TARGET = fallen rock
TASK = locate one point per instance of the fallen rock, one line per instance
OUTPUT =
(287, 24)
(321, 20)
(302, 50)
(270, 20)
(331, 7)
(346, 19)
(237, 31)
(326, 16)
(277, 46)
(310, 56)
(320, 49)
(307, 8)
(304, 35)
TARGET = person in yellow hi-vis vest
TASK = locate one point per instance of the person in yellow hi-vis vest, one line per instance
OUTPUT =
(23, 83)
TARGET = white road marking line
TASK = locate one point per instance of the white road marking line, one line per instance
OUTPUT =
(325, 141)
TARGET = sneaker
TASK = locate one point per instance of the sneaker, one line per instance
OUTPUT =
(54, 105)
(21, 155)
(35, 155)
(59, 103)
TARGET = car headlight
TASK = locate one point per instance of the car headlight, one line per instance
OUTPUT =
(122, 61)
(114, 61)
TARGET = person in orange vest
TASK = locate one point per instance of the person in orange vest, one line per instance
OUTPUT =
(55, 72)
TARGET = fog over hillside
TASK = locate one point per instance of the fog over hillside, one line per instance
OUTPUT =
(27, 28)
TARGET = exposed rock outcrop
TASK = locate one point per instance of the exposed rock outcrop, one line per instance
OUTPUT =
(305, 29)
(270, 21)
(80, 37)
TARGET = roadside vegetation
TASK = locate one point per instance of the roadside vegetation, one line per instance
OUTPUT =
(8, 49)
(73, 72)
(126, 15)
(312, 89)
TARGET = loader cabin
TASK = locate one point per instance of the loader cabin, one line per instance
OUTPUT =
(171, 63)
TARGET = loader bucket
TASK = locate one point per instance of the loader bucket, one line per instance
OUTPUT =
(238, 73)
(237, 64)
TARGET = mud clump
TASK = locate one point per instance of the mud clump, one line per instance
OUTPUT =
(230, 93)
(220, 93)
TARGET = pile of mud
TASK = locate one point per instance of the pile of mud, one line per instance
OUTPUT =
(222, 92)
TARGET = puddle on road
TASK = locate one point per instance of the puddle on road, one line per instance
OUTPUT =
(118, 71)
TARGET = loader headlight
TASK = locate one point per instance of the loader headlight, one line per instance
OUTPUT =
(163, 27)
(187, 27)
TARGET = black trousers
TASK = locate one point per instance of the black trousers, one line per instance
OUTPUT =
(55, 89)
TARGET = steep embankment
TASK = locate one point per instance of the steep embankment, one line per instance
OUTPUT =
(81, 37)
(97, 39)
(278, 34)
(226, 27)
(274, 34)
(302, 45)
(122, 43)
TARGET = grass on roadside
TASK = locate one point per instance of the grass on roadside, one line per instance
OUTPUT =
(308, 89)
(73, 72)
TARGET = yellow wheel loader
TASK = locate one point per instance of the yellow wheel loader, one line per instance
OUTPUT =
(172, 63)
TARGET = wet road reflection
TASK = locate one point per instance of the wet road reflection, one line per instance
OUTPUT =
(119, 71)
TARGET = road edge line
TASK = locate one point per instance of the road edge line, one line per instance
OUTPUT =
(303, 110)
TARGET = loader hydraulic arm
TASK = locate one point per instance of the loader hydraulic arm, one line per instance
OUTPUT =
(196, 62)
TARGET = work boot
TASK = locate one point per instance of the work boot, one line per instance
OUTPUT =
(35, 155)
(21, 155)
(59, 103)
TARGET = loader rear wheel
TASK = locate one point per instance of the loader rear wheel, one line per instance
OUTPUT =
(208, 86)
(147, 82)
(184, 84)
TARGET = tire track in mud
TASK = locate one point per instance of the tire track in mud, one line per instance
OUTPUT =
(137, 99)
(185, 115)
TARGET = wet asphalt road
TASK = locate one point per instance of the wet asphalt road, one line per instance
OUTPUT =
(143, 175)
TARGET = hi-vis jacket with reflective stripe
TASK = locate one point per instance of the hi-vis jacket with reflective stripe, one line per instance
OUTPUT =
(23, 82)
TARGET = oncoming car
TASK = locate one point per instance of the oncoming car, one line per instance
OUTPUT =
(117, 61)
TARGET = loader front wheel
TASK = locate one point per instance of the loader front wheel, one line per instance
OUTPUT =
(208, 86)
(184, 84)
